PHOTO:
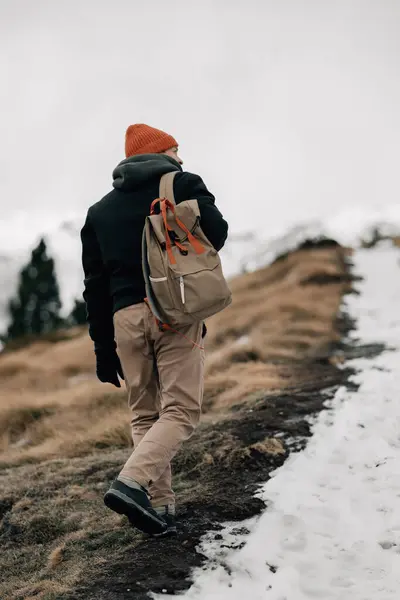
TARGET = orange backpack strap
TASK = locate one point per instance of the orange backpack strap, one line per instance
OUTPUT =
(167, 186)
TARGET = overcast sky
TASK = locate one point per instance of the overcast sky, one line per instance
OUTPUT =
(288, 109)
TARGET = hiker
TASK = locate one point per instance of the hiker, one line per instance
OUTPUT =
(163, 370)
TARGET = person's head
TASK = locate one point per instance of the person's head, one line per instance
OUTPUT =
(143, 139)
(173, 152)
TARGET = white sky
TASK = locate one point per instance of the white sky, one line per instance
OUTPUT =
(288, 109)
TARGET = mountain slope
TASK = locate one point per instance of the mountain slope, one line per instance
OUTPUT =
(271, 356)
(332, 521)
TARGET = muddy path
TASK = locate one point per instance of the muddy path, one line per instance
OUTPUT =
(222, 466)
(59, 542)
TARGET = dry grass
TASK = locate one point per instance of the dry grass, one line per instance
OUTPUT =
(55, 522)
(56, 533)
(52, 405)
(269, 446)
(280, 315)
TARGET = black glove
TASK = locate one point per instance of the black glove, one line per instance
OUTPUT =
(108, 366)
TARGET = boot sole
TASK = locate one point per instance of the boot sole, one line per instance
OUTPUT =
(167, 533)
(137, 515)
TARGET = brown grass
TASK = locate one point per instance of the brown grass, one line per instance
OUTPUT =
(55, 414)
(269, 446)
(52, 405)
(56, 556)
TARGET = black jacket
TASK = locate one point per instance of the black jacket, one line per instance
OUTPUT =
(112, 236)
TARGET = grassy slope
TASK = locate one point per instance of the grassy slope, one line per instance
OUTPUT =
(63, 437)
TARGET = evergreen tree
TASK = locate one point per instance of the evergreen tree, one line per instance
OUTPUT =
(36, 307)
(78, 314)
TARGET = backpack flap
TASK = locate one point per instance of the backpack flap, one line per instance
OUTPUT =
(189, 213)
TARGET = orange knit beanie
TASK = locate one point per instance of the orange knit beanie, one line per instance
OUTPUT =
(143, 139)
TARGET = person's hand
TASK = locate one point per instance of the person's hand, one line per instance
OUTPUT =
(108, 366)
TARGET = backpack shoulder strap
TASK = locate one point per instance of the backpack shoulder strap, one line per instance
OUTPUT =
(167, 186)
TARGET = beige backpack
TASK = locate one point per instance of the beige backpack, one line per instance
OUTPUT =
(181, 268)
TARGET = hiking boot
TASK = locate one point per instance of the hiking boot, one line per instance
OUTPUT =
(167, 513)
(134, 502)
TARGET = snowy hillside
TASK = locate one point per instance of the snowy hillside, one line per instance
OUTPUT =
(244, 251)
(284, 502)
(331, 529)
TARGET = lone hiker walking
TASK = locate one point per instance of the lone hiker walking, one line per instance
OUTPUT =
(163, 370)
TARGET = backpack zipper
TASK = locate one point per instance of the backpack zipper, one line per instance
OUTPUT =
(182, 286)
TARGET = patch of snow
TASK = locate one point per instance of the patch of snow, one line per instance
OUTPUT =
(243, 340)
(332, 527)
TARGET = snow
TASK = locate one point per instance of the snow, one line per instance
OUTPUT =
(349, 227)
(331, 529)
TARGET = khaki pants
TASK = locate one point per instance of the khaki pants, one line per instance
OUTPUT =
(164, 375)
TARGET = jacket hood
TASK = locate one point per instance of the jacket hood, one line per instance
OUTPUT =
(135, 171)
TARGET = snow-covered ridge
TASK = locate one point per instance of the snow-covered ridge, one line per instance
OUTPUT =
(244, 251)
(331, 530)
(353, 227)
